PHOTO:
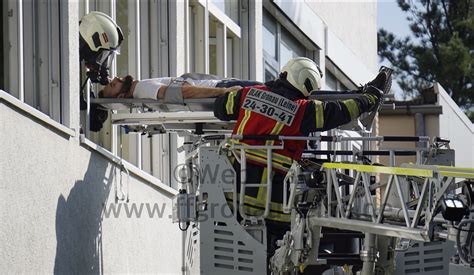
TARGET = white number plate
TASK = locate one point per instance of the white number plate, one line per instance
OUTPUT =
(271, 105)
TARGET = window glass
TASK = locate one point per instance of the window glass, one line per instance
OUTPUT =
(230, 8)
(122, 20)
(331, 81)
(270, 74)
(279, 46)
(269, 35)
(289, 47)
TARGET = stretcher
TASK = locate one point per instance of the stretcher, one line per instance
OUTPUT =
(176, 113)
(156, 116)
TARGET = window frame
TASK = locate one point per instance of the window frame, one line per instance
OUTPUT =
(271, 64)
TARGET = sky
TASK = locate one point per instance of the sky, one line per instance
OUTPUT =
(393, 19)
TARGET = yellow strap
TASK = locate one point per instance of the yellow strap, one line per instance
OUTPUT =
(352, 107)
(454, 168)
(381, 169)
(261, 195)
(319, 113)
(275, 131)
(276, 158)
(263, 161)
(457, 174)
(230, 103)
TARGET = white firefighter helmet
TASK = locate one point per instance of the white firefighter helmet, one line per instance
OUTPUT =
(100, 37)
(303, 74)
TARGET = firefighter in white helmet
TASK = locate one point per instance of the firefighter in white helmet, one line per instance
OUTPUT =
(99, 41)
(303, 74)
(281, 107)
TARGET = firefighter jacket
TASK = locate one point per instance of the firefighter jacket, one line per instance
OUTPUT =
(277, 108)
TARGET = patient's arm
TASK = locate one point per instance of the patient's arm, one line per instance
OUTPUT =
(190, 91)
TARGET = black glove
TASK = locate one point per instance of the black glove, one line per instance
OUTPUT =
(373, 95)
(374, 89)
(380, 81)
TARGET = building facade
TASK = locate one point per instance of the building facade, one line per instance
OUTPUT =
(57, 186)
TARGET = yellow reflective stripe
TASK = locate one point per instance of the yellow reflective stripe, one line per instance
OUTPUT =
(276, 158)
(381, 169)
(230, 103)
(319, 114)
(352, 107)
(261, 195)
(274, 206)
(372, 99)
(263, 161)
(275, 131)
(243, 122)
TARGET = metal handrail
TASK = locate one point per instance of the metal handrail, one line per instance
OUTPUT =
(244, 184)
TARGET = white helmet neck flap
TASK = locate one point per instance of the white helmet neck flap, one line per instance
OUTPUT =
(303, 74)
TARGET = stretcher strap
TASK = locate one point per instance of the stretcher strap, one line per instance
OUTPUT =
(174, 92)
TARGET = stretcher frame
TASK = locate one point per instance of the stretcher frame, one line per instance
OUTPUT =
(196, 114)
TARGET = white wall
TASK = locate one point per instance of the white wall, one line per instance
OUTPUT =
(345, 32)
(354, 23)
(52, 192)
(456, 126)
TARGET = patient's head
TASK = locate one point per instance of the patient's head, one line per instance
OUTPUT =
(119, 87)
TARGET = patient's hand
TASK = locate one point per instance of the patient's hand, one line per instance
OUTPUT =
(233, 89)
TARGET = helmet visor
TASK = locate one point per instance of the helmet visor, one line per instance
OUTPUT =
(105, 58)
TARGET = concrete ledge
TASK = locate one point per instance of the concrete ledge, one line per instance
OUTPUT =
(151, 180)
(38, 115)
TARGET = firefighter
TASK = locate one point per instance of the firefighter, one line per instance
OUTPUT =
(281, 107)
(99, 41)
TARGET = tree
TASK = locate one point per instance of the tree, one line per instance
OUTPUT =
(442, 48)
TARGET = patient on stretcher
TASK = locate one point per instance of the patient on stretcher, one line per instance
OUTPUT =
(158, 88)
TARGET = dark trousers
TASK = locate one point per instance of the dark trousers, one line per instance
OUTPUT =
(226, 83)
(275, 229)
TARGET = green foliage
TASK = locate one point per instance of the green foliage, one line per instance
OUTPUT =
(441, 49)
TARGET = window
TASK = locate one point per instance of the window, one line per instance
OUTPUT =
(279, 46)
(31, 54)
(336, 80)
(230, 8)
(333, 84)
(215, 38)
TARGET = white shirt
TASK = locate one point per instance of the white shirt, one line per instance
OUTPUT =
(148, 88)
